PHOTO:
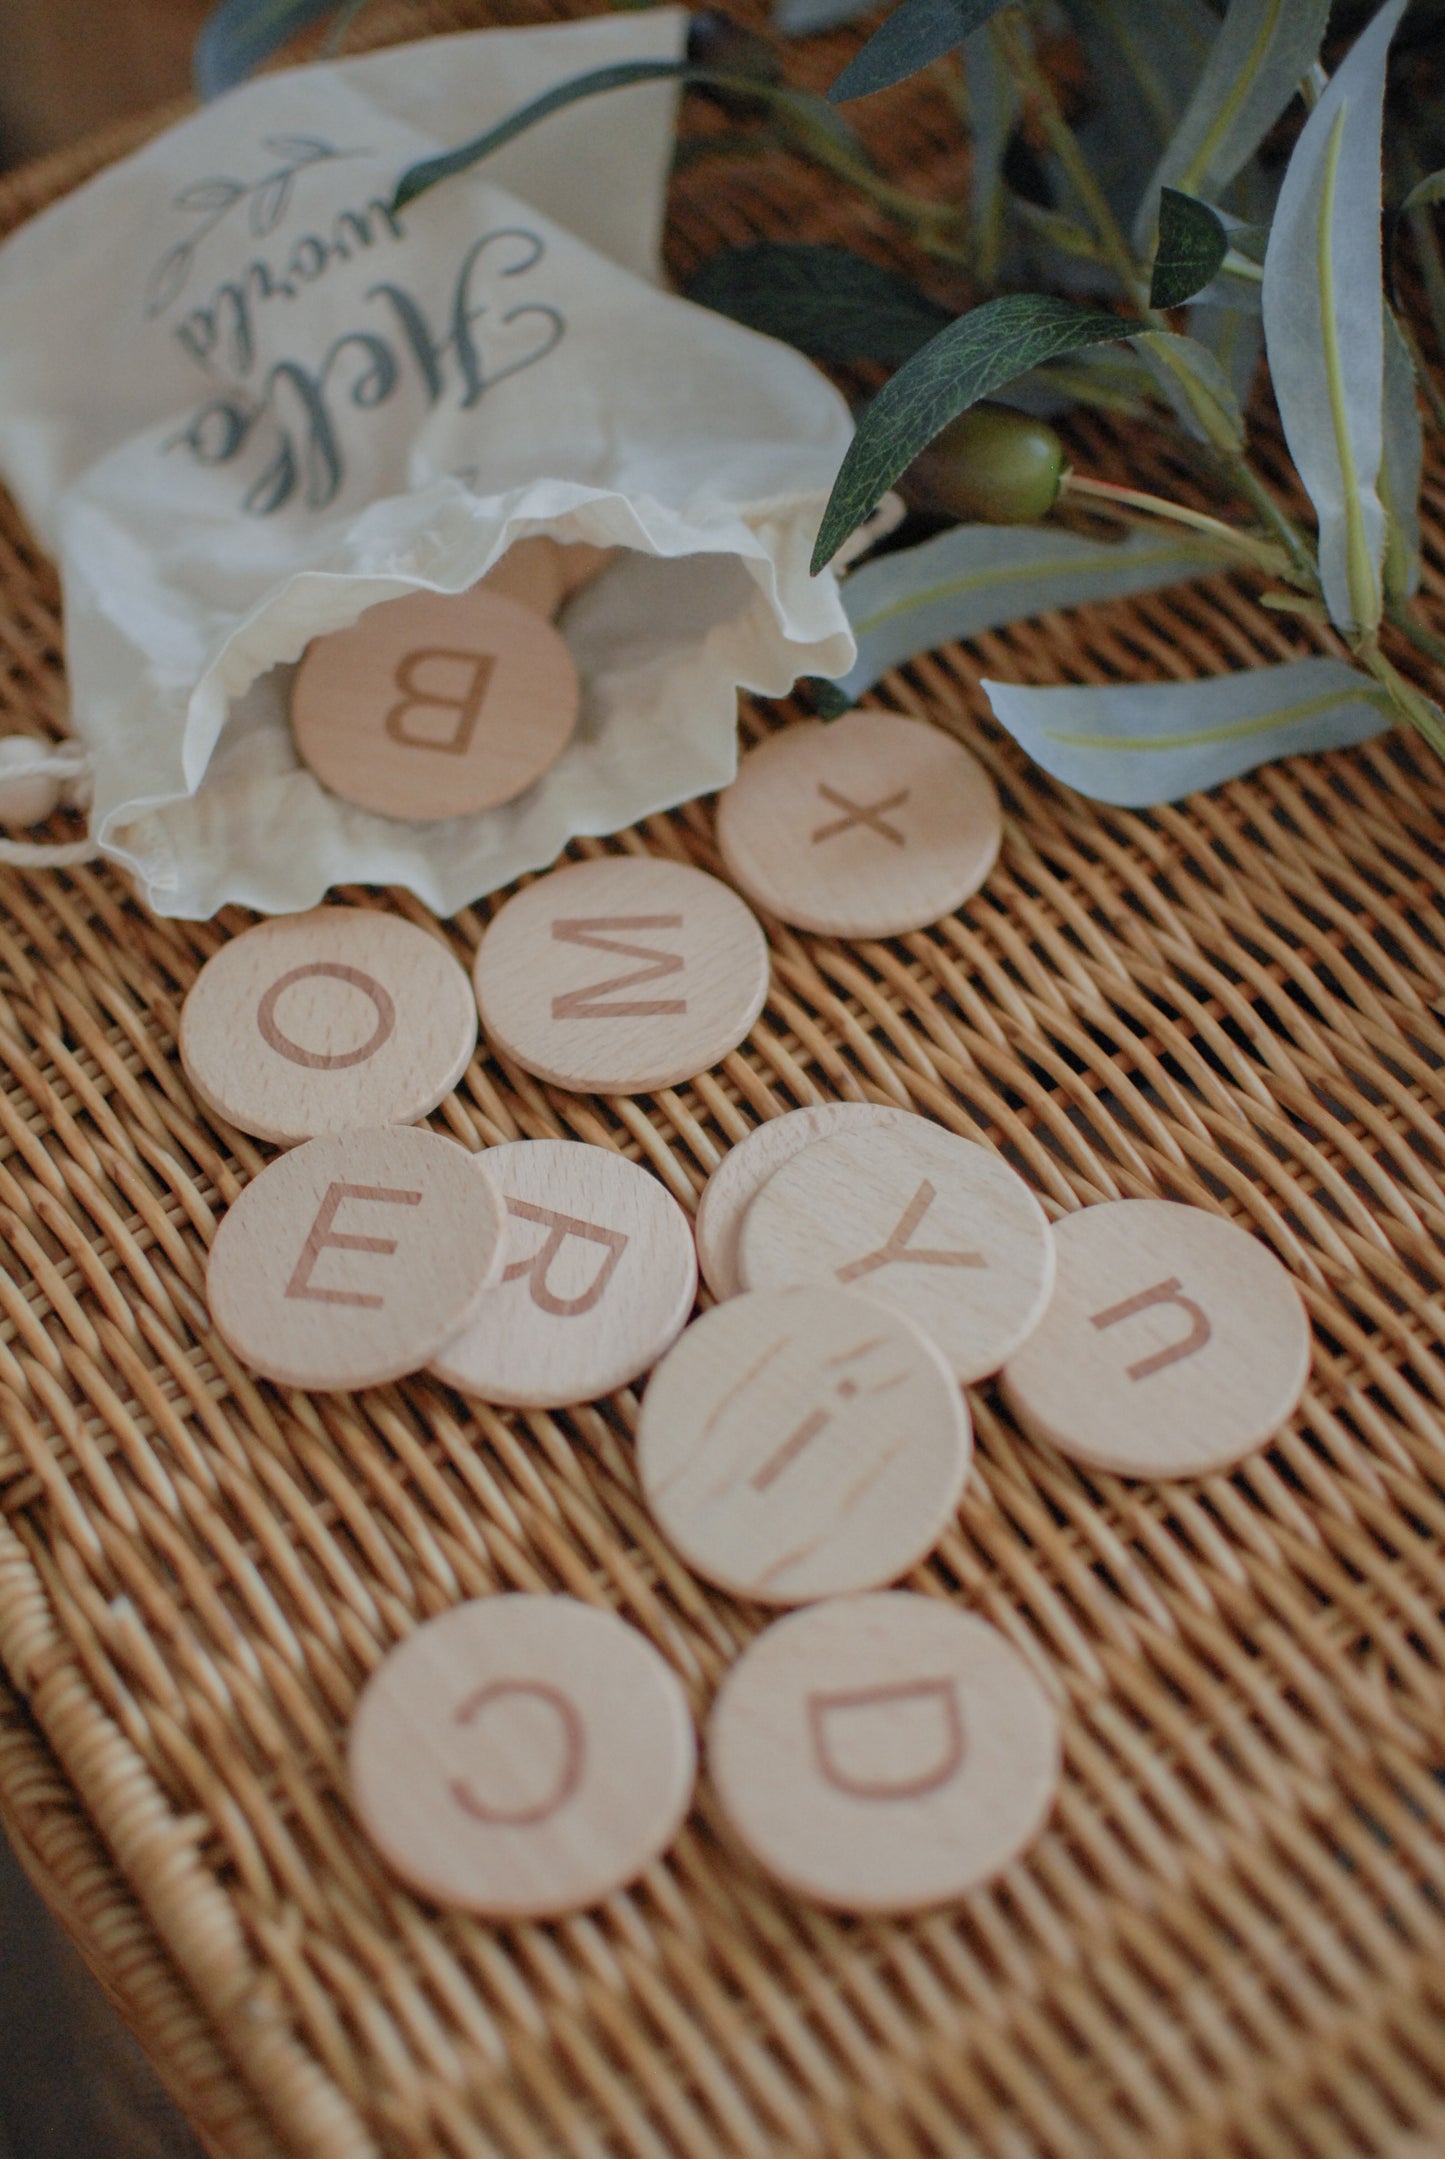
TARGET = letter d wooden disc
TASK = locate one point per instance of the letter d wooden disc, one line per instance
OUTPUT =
(883, 1753)
(436, 704)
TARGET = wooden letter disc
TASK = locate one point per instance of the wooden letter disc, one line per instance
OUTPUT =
(866, 826)
(522, 1756)
(883, 1753)
(1173, 1346)
(615, 976)
(340, 1017)
(436, 704)
(598, 1278)
(935, 1226)
(803, 1444)
(351, 1260)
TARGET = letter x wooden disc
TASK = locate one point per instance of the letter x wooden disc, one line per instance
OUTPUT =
(935, 1226)
(312, 1023)
(351, 1260)
(803, 1444)
(598, 1278)
(522, 1756)
(1174, 1344)
(623, 974)
(435, 704)
(866, 826)
(883, 1753)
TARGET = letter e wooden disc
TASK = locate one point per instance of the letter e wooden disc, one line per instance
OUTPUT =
(866, 826)
(883, 1753)
(351, 1260)
(803, 1444)
(522, 1756)
(436, 704)
(340, 1017)
(1174, 1344)
(598, 1278)
(623, 974)
(936, 1226)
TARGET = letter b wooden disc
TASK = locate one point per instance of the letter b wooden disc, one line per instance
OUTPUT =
(435, 704)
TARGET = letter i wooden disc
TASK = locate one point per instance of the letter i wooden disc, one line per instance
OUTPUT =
(883, 1753)
(1174, 1343)
(435, 704)
(349, 1261)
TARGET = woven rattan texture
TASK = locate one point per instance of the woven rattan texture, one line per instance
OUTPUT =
(1230, 1940)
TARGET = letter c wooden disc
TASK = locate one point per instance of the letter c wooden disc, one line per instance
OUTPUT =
(435, 704)
(883, 1753)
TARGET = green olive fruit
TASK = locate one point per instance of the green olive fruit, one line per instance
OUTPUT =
(991, 464)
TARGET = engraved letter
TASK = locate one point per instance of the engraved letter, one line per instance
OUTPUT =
(1169, 1292)
(467, 706)
(598, 1003)
(317, 1060)
(861, 813)
(322, 1234)
(897, 1246)
(563, 1226)
(569, 1771)
(905, 1778)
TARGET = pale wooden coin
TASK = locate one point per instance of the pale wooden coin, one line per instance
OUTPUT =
(746, 1168)
(351, 1260)
(316, 1022)
(866, 826)
(435, 704)
(933, 1225)
(522, 1756)
(1173, 1346)
(530, 571)
(803, 1444)
(598, 1278)
(622, 974)
(884, 1753)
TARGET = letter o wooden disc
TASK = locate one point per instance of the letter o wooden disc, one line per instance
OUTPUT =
(936, 1226)
(883, 1753)
(803, 1444)
(522, 1756)
(312, 1023)
(598, 1278)
(1174, 1344)
(866, 826)
(620, 975)
(351, 1260)
(435, 704)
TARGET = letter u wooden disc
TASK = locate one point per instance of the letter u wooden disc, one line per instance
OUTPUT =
(435, 704)
(598, 1278)
(352, 1259)
(340, 1017)
(1174, 1343)
(522, 1756)
(883, 1753)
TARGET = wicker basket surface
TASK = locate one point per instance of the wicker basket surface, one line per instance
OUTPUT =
(1231, 1938)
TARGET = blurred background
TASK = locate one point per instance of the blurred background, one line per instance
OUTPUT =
(68, 66)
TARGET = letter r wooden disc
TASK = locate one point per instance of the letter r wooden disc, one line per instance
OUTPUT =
(883, 1753)
(352, 1259)
(340, 1017)
(1174, 1344)
(623, 974)
(435, 704)
(598, 1278)
(522, 1756)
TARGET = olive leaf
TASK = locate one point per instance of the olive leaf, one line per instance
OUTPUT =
(917, 32)
(1144, 60)
(830, 303)
(1141, 743)
(805, 18)
(1324, 309)
(1195, 385)
(1429, 190)
(994, 108)
(976, 354)
(1402, 468)
(1192, 245)
(238, 35)
(1234, 338)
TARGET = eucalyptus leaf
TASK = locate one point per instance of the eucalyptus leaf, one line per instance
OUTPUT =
(805, 18)
(238, 35)
(974, 355)
(1195, 385)
(1141, 743)
(1324, 328)
(1192, 245)
(1403, 466)
(917, 32)
(976, 577)
(830, 303)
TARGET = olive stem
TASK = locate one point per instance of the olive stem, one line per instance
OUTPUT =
(1417, 708)
(1425, 641)
(1264, 554)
